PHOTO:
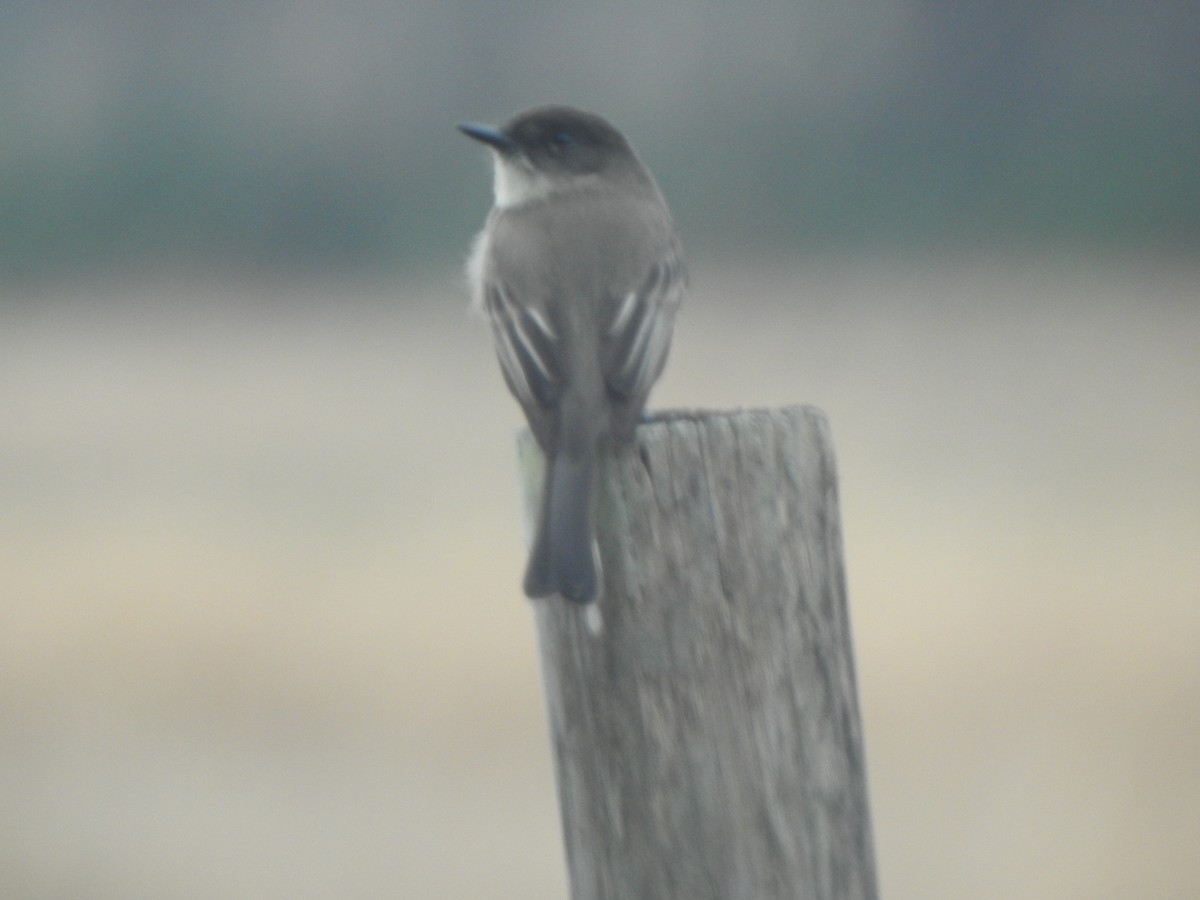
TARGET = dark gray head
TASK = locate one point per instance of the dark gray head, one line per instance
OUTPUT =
(550, 148)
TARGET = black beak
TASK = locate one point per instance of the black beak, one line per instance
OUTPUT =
(487, 134)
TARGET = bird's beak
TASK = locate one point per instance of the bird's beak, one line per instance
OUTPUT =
(487, 134)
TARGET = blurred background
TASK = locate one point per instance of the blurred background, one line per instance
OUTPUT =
(261, 632)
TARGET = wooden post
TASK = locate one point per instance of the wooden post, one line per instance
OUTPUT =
(706, 733)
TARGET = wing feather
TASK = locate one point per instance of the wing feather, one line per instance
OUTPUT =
(527, 346)
(638, 335)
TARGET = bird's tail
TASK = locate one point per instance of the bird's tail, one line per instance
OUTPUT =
(562, 560)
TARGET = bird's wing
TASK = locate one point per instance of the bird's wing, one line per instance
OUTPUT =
(638, 333)
(528, 348)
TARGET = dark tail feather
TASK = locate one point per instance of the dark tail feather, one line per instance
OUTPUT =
(562, 560)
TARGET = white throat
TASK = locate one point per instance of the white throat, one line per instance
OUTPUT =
(516, 183)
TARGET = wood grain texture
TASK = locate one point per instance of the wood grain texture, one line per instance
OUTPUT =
(707, 737)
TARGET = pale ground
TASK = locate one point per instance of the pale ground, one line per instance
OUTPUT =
(260, 627)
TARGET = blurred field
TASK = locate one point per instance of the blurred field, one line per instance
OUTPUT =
(260, 628)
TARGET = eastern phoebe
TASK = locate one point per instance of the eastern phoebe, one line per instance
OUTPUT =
(579, 269)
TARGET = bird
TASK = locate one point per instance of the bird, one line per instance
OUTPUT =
(580, 271)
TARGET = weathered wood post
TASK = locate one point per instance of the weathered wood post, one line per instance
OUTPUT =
(707, 736)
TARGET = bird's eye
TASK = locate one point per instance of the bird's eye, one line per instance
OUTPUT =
(561, 140)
